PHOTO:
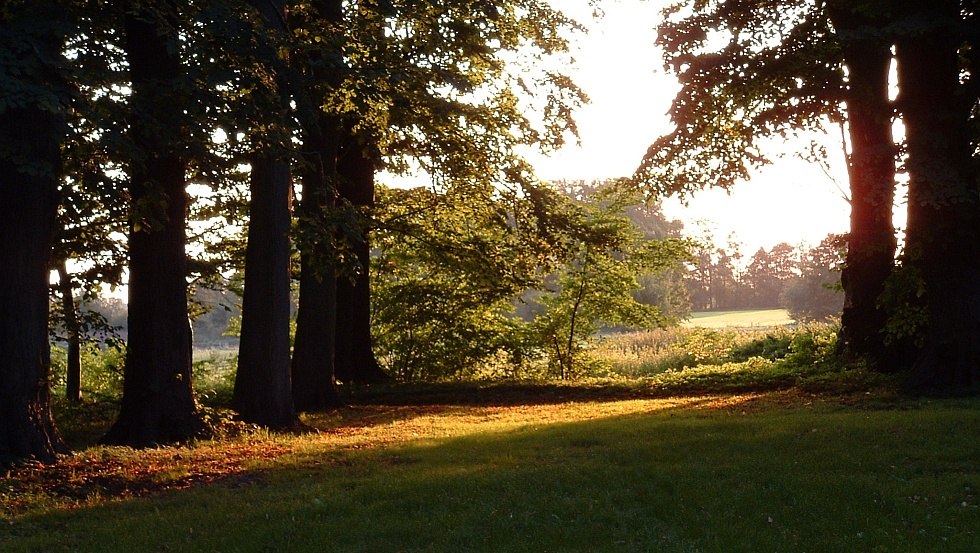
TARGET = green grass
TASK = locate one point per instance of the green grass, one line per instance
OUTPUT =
(733, 440)
(739, 319)
(787, 473)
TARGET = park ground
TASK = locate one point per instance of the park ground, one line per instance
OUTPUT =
(754, 455)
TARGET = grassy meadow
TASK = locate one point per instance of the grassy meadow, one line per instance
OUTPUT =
(728, 441)
(743, 319)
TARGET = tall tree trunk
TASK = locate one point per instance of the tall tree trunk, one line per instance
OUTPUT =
(314, 382)
(943, 237)
(263, 387)
(871, 172)
(158, 401)
(314, 379)
(355, 361)
(28, 210)
(73, 377)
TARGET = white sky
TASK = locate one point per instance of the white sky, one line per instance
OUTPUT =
(622, 72)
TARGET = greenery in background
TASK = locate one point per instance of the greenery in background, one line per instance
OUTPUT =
(816, 294)
(450, 271)
(667, 353)
(594, 284)
(102, 370)
(445, 271)
(805, 280)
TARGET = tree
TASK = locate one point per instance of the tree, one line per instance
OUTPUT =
(33, 97)
(90, 220)
(355, 360)
(871, 172)
(446, 273)
(313, 363)
(263, 387)
(751, 70)
(595, 282)
(768, 274)
(942, 248)
(815, 295)
(427, 87)
(158, 402)
(665, 288)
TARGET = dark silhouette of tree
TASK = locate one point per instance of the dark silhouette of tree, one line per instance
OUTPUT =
(355, 360)
(942, 245)
(158, 402)
(314, 348)
(866, 52)
(32, 128)
(263, 387)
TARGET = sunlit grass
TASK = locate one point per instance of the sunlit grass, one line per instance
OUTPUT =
(731, 440)
(742, 319)
(755, 472)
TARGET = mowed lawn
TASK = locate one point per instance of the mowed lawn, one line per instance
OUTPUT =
(739, 319)
(761, 472)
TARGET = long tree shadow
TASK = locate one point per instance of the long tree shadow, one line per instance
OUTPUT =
(830, 480)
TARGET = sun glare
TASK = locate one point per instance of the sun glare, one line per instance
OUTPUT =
(619, 67)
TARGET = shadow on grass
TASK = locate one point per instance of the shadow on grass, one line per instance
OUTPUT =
(828, 478)
(737, 378)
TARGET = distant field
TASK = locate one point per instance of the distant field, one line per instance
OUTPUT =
(727, 319)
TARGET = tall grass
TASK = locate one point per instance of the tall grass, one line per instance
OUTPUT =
(644, 354)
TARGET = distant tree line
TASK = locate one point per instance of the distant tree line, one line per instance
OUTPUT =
(804, 280)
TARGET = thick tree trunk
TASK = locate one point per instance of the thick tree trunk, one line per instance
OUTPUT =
(871, 172)
(943, 237)
(314, 383)
(263, 387)
(158, 401)
(28, 210)
(73, 377)
(355, 361)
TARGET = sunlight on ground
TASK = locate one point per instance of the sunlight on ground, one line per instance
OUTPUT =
(739, 319)
(109, 474)
(383, 425)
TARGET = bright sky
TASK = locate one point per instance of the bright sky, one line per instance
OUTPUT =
(621, 71)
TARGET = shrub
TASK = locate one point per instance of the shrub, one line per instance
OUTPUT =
(102, 370)
(774, 345)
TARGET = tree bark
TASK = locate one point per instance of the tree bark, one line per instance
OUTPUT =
(263, 386)
(355, 361)
(73, 377)
(943, 236)
(314, 347)
(28, 211)
(158, 401)
(314, 382)
(871, 173)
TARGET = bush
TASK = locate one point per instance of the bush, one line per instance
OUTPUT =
(813, 344)
(102, 370)
(774, 345)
